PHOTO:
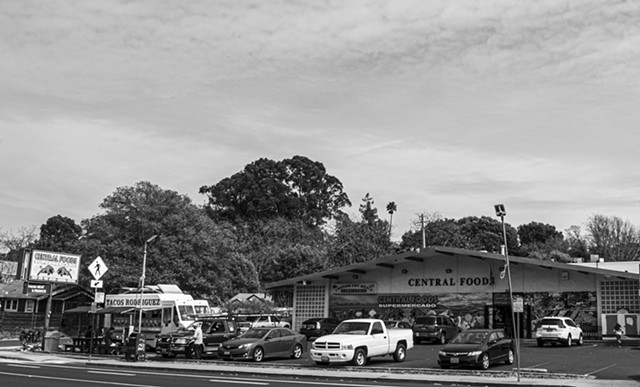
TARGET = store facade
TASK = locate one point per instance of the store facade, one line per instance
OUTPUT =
(472, 288)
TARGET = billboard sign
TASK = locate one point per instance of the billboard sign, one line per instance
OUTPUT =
(48, 266)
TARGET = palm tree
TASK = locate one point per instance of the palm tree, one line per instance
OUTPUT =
(391, 208)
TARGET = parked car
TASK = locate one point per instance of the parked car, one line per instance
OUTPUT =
(397, 324)
(439, 329)
(317, 327)
(358, 340)
(259, 343)
(558, 330)
(245, 322)
(477, 347)
(215, 330)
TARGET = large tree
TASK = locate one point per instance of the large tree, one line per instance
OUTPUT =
(613, 239)
(296, 188)
(13, 241)
(192, 251)
(359, 241)
(486, 234)
(59, 234)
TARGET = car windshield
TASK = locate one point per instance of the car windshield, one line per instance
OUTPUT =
(470, 338)
(255, 333)
(429, 320)
(352, 328)
(551, 321)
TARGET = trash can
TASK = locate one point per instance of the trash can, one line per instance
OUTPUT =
(135, 347)
(51, 341)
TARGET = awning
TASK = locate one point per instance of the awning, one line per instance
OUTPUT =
(115, 310)
(79, 309)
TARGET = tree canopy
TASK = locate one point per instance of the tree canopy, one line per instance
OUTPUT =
(296, 188)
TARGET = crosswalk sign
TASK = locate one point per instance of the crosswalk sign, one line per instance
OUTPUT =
(98, 268)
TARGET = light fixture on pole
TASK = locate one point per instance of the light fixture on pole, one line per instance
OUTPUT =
(144, 269)
(502, 212)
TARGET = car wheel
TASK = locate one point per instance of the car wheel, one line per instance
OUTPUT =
(580, 340)
(190, 353)
(485, 361)
(359, 358)
(297, 351)
(569, 341)
(509, 357)
(540, 343)
(258, 354)
(401, 353)
(442, 339)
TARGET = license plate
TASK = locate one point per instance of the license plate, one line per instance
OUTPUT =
(325, 359)
(455, 360)
(165, 351)
(227, 353)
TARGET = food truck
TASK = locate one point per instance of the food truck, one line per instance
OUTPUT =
(164, 308)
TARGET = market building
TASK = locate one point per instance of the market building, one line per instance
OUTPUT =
(471, 287)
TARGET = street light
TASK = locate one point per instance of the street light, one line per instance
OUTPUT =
(502, 212)
(144, 269)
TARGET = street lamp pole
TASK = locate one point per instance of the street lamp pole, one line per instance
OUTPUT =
(501, 212)
(144, 269)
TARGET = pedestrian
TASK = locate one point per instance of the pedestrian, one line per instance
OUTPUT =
(618, 332)
(198, 344)
(110, 341)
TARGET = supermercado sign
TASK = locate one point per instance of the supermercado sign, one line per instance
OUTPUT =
(54, 267)
(407, 301)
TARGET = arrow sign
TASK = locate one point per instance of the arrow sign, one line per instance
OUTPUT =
(98, 268)
(96, 284)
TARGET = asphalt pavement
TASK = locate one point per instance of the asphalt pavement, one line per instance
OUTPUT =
(458, 377)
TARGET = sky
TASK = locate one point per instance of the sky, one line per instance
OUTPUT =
(445, 107)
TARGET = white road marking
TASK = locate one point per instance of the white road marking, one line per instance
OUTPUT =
(237, 381)
(21, 365)
(110, 373)
(601, 369)
(86, 381)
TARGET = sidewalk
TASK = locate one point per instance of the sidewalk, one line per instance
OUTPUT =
(469, 377)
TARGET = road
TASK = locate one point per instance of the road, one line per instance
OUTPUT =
(16, 373)
(599, 359)
(602, 360)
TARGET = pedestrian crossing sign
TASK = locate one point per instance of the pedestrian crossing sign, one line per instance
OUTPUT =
(98, 268)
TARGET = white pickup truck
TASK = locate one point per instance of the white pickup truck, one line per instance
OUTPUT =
(358, 340)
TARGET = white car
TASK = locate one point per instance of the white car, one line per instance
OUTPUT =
(558, 330)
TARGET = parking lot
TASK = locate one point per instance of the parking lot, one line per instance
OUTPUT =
(601, 359)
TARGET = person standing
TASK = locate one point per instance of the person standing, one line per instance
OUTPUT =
(618, 331)
(198, 344)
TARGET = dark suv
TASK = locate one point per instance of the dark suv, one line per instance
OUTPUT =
(437, 329)
(215, 330)
(317, 327)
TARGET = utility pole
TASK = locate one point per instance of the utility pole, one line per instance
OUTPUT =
(424, 238)
(501, 212)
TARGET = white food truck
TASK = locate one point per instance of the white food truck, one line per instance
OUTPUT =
(164, 308)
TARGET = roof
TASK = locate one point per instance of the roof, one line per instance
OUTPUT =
(623, 266)
(61, 291)
(248, 297)
(436, 251)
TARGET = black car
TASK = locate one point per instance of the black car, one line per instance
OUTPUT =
(437, 329)
(478, 348)
(317, 327)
